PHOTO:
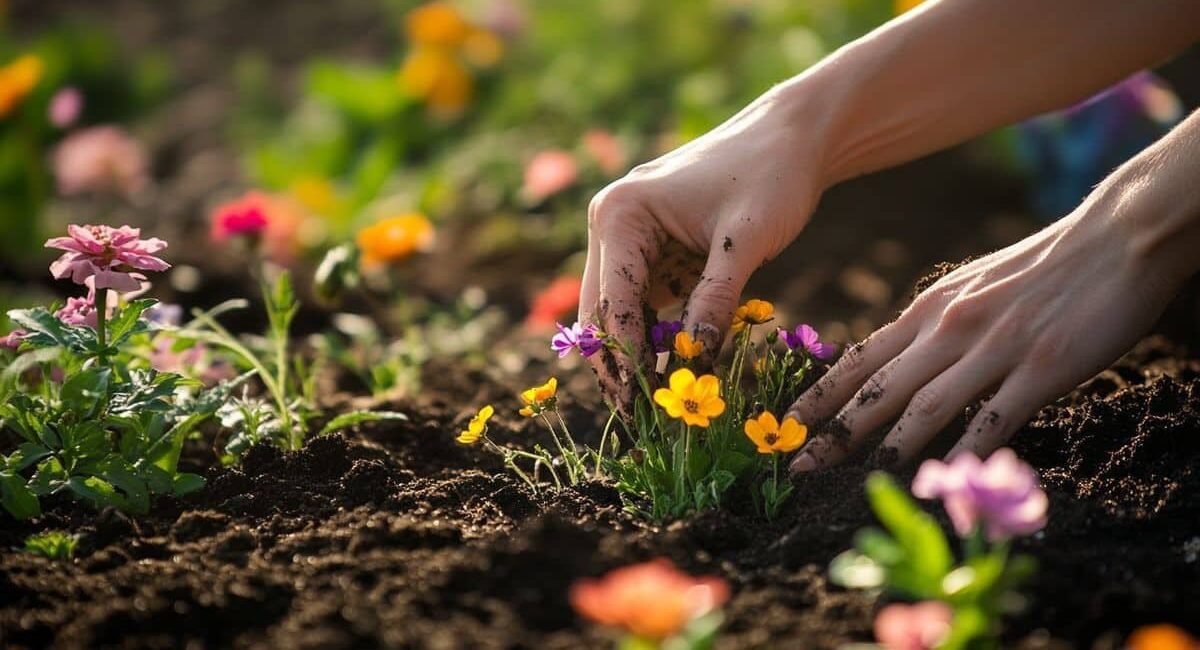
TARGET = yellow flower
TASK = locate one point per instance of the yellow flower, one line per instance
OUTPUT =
(765, 432)
(438, 78)
(394, 239)
(754, 312)
(539, 398)
(693, 400)
(437, 24)
(477, 426)
(483, 48)
(902, 6)
(17, 80)
(316, 193)
(686, 348)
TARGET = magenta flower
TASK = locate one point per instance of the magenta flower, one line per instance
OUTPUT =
(65, 107)
(12, 340)
(78, 312)
(922, 626)
(806, 338)
(107, 256)
(100, 158)
(246, 216)
(1001, 494)
(662, 334)
(584, 338)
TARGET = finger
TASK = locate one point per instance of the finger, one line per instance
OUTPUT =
(880, 400)
(709, 311)
(857, 363)
(935, 406)
(589, 292)
(627, 250)
(1018, 399)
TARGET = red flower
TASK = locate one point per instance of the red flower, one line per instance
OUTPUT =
(559, 299)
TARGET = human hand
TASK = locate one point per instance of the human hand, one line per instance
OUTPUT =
(694, 224)
(1029, 322)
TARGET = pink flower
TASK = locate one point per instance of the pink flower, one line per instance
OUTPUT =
(246, 216)
(78, 312)
(806, 338)
(100, 158)
(652, 600)
(913, 627)
(1002, 493)
(606, 150)
(549, 173)
(65, 107)
(584, 338)
(106, 256)
(12, 340)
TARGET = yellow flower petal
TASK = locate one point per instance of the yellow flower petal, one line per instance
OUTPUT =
(707, 386)
(681, 382)
(670, 402)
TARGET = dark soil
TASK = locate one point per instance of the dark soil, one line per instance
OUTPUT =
(398, 537)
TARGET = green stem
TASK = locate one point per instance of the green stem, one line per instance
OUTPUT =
(101, 306)
(604, 441)
(561, 449)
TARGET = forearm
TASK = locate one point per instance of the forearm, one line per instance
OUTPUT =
(957, 68)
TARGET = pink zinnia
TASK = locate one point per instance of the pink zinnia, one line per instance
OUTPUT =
(107, 256)
(913, 627)
(100, 158)
(1002, 493)
(78, 312)
(65, 107)
(12, 340)
(549, 173)
(246, 216)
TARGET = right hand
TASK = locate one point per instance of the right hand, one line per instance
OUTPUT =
(693, 225)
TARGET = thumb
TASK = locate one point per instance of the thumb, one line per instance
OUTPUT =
(709, 310)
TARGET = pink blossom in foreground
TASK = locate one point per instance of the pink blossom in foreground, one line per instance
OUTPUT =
(606, 150)
(65, 107)
(100, 159)
(12, 340)
(913, 627)
(652, 600)
(106, 256)
(549, 173)
(1001, 493)
(78, 312)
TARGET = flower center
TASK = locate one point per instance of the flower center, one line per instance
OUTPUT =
(771, 438)
(691, 406)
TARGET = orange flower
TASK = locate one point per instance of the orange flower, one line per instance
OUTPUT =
(394, 239)
(1162, 636)
(770, 438)
(438, 78)
(437, 24)
(17, 80)
(653, 601)
(695, 401)
(754, 312)
(539, 398)
(553, 303)
(686, 348)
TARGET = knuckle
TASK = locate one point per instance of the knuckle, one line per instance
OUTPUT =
(719, 290)
(853, 360)
(961, 315)
(1049, 349)
(614, 200)
(926, 403)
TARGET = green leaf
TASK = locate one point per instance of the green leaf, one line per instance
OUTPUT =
(697, 465)
(855, 570)
(186, 483)
(99, 492)
(17, 498)
(927, 553)
(27, 454)
(49, 478)
(354, 418)
(137, 497)
(127, 321)
(43, 329)
(84, 392)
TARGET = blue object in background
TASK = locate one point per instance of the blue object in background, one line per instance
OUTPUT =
(1068, 152)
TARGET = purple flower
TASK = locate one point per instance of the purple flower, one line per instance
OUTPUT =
(584, 338)
(65, 107)
(12, 340)
(806, 337)
(662, 335)
(1002, 493)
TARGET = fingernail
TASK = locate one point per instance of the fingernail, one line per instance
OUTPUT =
(803, 463)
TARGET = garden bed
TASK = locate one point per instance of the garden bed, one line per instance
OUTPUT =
(398, 537)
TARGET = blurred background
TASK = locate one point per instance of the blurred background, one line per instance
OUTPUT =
(425, 168)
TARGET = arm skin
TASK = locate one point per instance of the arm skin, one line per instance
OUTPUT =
(696, 222)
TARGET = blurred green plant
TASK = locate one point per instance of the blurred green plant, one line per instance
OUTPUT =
(53, 544)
